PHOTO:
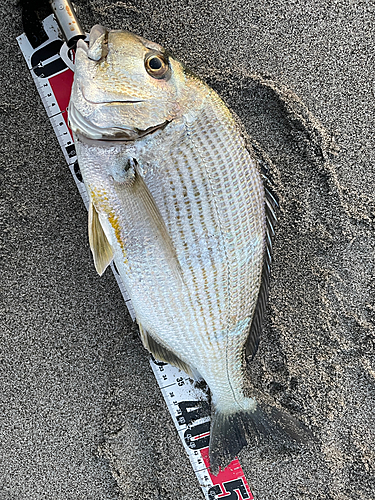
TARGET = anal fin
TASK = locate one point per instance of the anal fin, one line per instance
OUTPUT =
(161, 353)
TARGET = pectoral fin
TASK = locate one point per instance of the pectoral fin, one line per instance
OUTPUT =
(99, 244)
(141, 190)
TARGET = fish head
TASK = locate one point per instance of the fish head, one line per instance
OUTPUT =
(124, 86)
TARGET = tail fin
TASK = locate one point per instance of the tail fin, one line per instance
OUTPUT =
(230, 432)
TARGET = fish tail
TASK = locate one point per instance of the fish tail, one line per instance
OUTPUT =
(232, 430)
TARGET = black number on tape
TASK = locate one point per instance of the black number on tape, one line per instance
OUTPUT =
(195, 432)
(71, 150)
(192, 410)
(79, 177)
(230, 487)
(180, 381)
(44, 53)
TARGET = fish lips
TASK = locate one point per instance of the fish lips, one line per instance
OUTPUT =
(89, 130)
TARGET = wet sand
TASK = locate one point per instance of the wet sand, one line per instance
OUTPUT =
(81, 414)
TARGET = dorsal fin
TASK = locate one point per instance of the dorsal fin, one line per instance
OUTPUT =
(271, 205)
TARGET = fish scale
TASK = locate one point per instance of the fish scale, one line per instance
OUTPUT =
(195, 170)
(194, 273)
(236, 224)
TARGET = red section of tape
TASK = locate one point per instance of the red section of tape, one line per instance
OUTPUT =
(61, 85)
(230, 482)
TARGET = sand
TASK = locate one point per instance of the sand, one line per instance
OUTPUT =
(81, 414)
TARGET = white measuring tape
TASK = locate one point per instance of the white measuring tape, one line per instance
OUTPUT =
(52, 69)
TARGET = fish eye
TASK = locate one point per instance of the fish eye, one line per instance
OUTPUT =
(156, 66)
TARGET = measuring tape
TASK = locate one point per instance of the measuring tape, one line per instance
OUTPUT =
(51, 68)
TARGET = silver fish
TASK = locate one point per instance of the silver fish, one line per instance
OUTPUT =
(177, 200)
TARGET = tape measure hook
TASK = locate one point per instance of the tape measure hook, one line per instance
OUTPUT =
(67, 55)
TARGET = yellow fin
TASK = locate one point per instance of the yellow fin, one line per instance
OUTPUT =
(99, 244)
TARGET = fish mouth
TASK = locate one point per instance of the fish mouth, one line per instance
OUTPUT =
(91, 132)
(118, 102)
